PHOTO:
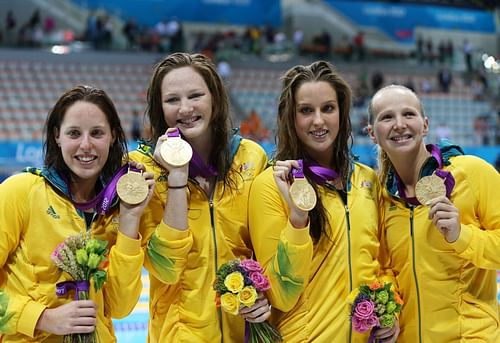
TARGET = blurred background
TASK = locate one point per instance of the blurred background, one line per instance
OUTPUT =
(448, 51)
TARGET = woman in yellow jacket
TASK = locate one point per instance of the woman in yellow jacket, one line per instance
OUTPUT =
(40, 208)
(197, 219)
(442, 226)
(315, 257)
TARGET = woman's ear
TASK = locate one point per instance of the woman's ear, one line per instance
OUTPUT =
(426, 126)
(371, 133)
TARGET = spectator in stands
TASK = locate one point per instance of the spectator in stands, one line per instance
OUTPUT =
(420, 49)
(40, 208)
(443, 252)
(445, 78)
(136, 131)
(468, 50)
(377, 80)
(10, 28)
(315, 257)
(197, 219)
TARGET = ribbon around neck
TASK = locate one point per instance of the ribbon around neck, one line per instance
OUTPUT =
(319, 174)
(62, 288)
(449, 181)
(102, 202)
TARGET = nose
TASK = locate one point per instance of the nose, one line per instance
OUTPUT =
(85, 143)
(318, 117)
(400, 122)
(186, 106)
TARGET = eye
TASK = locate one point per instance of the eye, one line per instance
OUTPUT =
(305, 110)
(385, 117)
(409, 114)
(196, 95)
(171, 100)
(73, 133)
(328, 108)
(97, 132)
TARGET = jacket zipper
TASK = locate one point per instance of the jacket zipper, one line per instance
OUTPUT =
(348, 220)
(415, 273)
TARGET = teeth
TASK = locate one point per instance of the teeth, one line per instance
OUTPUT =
(85, 159)
(188, 120)
(318, 133)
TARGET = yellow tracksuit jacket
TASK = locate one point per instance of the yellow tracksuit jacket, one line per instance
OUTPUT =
(182, 264)
(35, 217)
(310, 284)
(449, 290)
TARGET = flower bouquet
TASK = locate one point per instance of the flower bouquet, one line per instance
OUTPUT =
(237, 283)
(84, 258)
(374, 305)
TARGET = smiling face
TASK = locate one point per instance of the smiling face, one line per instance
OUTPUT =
(187, 103)
(398, 125)
(317, 119)
(84, 138)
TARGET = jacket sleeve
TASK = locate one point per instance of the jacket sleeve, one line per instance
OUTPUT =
(479, 243)
(284, 252)
(124, 286)
(166, 248)
(18, 314)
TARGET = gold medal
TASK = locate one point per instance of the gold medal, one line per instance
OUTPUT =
(176, 151)
(302, 194)
(132, 188)
(428, 188)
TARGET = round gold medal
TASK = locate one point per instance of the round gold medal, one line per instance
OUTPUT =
(132, 188)
(302, 194)
(176, 151)
(428, 188)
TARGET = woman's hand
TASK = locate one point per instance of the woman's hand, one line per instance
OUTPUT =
(282, 175)
(259, 312)
(130, 215)
(387, 335)
(78, 316)
(445, 217)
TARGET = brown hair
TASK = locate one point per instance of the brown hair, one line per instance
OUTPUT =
(287, 141)
(52, 152)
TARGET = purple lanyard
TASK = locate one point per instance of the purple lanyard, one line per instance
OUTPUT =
(196, 166)
(319, 174)
(449, 181)
(102, 202)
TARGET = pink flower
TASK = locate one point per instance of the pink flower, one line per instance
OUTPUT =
(260, 281)
(364, 309)
(251, 266)
(364, 324)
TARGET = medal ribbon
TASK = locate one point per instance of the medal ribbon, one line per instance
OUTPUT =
(102, 202)
(321, 174)
(196, 166)
(298, 173)
(78, 286)
(449, 181)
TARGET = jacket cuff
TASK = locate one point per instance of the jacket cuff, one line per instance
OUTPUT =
(29, 318)
(463, 240)
(166, 232)
(128, 246)
(297, 236)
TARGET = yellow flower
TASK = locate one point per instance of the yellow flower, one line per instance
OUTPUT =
(234, 282)
(229, 302)
(352, 296)
(247, 296)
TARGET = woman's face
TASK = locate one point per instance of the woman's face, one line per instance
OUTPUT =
(85, 138)
(187, 103)
(399, 126)
(317, 119)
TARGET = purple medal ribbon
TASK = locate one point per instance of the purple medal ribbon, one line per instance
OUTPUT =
(298, 173)
(247, 332)
(196, 166)
(449, 181)
(321, 174)
(78, 286)
(102, 202)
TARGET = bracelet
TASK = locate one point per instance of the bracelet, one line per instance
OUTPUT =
(178, 187)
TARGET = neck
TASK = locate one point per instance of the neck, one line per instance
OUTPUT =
(82, 191)
(408, 166)
(203, 146)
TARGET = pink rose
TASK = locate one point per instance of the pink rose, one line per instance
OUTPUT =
(251, 266)
(364, 324)
(364, 309)
(260, 281)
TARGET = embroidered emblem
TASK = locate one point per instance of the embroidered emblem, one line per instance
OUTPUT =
(52, 212)
(247, 170)
(392, 207)
(366, 184)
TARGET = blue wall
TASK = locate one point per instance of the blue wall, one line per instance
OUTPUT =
(399, 21)
(150, 12)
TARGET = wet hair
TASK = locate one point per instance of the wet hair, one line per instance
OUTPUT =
(52, 152)
(383, 161)
(288, 144)
(221, 121)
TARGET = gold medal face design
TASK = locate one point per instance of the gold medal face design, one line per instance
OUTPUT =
(428, 188)
(302, 194)
(132, 188)
(176, 151)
